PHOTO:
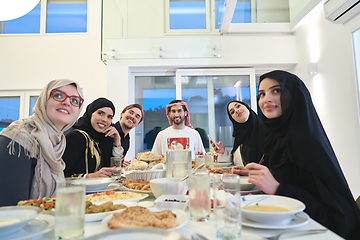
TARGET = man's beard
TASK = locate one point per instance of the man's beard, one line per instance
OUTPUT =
(182, 119)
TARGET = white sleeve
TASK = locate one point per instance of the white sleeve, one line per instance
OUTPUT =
(157, 145)
(117, 152)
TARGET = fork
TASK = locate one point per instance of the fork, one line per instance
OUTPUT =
(277, 237)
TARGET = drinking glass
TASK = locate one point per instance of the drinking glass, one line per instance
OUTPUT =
(116, 161)
(199, 159)
(227, 205)
(199, 195)
(209, 159)
(70, 209)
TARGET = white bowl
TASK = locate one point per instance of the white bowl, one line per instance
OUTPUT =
(172, 201)
(244, 185)
(294, 206)
(93, 184)
(168, 186)
(21, 214)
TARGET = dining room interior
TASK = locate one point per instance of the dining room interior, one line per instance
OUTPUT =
(131, 52)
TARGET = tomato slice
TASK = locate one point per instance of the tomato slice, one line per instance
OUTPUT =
(110, 192)
(40, 201)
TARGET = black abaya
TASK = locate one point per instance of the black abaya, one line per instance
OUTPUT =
(301, 159)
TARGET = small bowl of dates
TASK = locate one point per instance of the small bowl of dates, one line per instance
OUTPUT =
(172, 201)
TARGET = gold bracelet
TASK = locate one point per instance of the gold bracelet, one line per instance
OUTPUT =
(117, 146)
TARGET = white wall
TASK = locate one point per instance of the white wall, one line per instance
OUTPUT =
(334, 88)
(32, 60)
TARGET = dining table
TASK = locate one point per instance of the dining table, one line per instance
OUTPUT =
(208, 229)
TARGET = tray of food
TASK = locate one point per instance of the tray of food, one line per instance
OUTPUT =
(144, 217)
(115, 197)
(136, 185)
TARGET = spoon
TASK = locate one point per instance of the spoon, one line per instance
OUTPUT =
(198, 167)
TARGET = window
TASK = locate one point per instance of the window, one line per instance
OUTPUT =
(29, 23)
(15, 105)
(184, 16)
(207, 93)
(61, 16)
(66, 16)
(9, 110)
(242, 13)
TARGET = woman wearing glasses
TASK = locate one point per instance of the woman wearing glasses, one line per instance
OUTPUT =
(31, 149)
(93, 142)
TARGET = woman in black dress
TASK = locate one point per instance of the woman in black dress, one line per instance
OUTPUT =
(93, 142)
(249, 136)
(300, 160)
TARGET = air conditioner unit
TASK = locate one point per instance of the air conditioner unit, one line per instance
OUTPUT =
(341, 11)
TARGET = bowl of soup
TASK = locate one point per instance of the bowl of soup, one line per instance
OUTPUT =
(270, 208)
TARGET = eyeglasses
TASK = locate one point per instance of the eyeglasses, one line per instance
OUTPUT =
(60, 96)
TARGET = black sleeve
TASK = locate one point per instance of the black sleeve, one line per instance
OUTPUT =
(323, 203)
(74, 155)
(16, 174)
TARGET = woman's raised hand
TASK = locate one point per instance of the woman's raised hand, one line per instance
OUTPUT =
(240, 170)
(102, 173)
(218, 147)
(113, 133)
(260, 176)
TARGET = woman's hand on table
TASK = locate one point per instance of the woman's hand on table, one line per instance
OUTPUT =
(260, 176)
(240, 170)
(218, 147)
(102, 173)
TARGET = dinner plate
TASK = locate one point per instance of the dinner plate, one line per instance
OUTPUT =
(93, 184)
(138, 234)
(112, 186)
(42, 224)
(93, 217)
(18, 216)
(181, 218)
(122, 187)
(296, 220)
(253, 191)
(222, 164)
(143, 196)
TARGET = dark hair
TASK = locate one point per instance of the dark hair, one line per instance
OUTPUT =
(176, 101)
(135, 105)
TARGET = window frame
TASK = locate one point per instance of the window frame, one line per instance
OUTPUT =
(210, 21)
(43, 20)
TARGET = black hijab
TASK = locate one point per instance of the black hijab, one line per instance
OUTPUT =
(250, 135)
(299, 134)
(84, 123)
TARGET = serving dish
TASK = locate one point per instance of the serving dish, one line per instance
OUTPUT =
(42, 224)
(93, 217)
(296, 220)
(142, 196)
(181, 219)
(292, 205)
(93, 184)
(16, 218)
(172, 202)
(138, 233)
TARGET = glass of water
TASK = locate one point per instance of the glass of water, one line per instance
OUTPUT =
(116, 161)
(70, 209)
(199, 195)
(227, 205)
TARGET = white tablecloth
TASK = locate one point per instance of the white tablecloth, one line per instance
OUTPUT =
(208, 230)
